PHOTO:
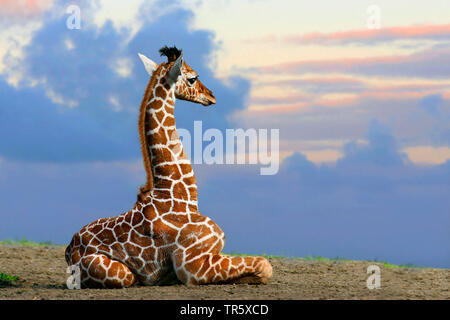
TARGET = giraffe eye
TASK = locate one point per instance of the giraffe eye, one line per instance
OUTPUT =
(192, 80)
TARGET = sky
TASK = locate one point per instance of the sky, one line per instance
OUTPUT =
(359, 91)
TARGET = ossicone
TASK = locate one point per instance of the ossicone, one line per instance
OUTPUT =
(172, 53)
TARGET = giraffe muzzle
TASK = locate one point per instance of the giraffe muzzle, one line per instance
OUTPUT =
(209, 99)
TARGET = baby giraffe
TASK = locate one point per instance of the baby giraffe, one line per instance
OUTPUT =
(163, 239)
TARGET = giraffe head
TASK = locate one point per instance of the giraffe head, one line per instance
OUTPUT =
(181, 76)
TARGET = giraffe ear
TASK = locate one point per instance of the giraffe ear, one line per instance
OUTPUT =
(175, 72)
(149, 65)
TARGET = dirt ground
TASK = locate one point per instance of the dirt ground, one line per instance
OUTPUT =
(42, 271)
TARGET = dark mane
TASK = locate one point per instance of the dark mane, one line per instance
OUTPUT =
(171, 53)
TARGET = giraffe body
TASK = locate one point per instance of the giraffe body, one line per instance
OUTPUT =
(163, 239)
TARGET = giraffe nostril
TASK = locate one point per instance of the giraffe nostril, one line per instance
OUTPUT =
(210, 100)
(210, 97)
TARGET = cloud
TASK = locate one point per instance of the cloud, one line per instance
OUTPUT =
(13, 9)
(305, 94)
(432, 104)
(373, 204)
(372, 36)
(381, 150)
(34, 130)
(433, 63)
(267, 100)
(305, 127)
(80, 103)
(319, 84)
(361, 86)
(340, 99)
(428, 155)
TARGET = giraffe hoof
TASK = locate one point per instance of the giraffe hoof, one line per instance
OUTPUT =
(262, 275)
(266, 271)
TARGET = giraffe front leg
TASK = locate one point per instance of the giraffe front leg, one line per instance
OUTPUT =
(217, 268)
(98, 271)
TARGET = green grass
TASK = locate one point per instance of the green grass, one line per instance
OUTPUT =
(7, 280)
(323, 259)
(399, 266)
(385, 264)
(235, 254)
(25, 242)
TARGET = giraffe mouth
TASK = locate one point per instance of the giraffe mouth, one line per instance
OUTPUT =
(209, 100)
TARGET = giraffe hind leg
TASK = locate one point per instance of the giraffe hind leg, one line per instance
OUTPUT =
(217, 268)
(99, 271)
(250, 270)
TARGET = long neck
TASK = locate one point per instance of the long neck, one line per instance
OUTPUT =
(169, 171)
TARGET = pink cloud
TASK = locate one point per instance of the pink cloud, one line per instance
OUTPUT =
(319, 84)
(311, 86)
(24, 8)
(366, 36)
(374, 35)
(416, 87)
(263, 100)
(335, 64)
(316, 80)
(286, 104)
(428, 64)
